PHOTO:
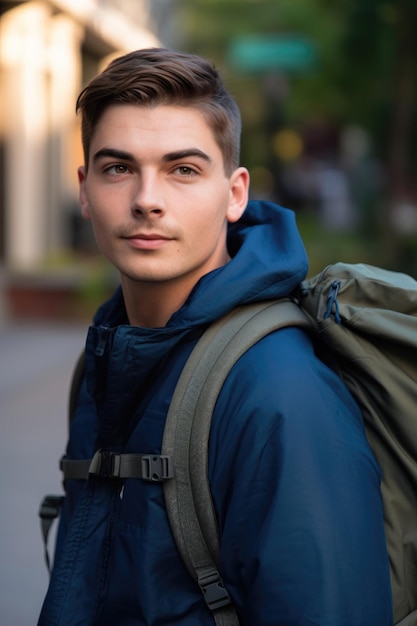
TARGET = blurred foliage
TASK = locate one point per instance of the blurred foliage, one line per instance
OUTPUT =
(367, 53)
(325, 247)
(365, 76)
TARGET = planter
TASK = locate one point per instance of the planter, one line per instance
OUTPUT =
(42, 296)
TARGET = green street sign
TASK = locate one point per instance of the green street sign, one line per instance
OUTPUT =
(279, 52)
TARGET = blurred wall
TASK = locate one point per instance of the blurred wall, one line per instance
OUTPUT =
(48, 50)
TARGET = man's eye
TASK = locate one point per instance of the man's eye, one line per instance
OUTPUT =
(183, 170)
(116, 169)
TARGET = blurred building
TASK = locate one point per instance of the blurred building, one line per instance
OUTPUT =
(48, 50)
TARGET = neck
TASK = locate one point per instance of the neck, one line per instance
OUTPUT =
(150, 305)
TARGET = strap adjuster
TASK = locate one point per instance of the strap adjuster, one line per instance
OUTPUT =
(105, 464)
(214, 591)
(50, 507)
(152, 467)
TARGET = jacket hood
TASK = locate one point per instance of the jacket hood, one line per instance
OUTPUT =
(268, 261)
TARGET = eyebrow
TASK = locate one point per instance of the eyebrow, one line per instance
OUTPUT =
(183, 154)
(113, 153)
(168, 158)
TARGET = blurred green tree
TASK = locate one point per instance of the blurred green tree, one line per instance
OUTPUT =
(380, 46)
(364, 74)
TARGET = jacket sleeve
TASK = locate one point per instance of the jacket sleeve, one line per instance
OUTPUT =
(297, 492)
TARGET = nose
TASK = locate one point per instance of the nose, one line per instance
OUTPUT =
(147, 200)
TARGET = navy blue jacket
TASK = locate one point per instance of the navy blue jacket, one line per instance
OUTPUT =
(295, 485)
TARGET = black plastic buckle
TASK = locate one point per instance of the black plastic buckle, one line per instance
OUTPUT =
(105, 464)
(108, 464)
(50, 507)
(214, 591)
(157, 468)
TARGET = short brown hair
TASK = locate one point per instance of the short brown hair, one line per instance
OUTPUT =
(156, 76)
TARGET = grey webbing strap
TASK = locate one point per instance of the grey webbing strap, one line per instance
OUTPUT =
(152, 467)
(74, 469)
(408, 620)
(188, 499)
(48, 512)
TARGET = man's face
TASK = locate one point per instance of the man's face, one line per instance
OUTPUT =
(157, 194)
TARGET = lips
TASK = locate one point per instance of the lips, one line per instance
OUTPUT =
(144, 236)
(144, 241)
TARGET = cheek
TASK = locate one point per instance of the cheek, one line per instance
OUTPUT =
(209, 214)
(101, 230)
(208, 234)
(101, 213)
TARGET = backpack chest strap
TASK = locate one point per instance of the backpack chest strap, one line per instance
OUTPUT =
(106, 464)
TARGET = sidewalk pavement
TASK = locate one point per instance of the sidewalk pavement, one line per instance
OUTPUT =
(36, 361)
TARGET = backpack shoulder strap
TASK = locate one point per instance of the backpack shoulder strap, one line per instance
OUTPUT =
(76, 379)
(187, 497)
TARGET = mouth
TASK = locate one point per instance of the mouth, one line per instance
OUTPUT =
(144, 241)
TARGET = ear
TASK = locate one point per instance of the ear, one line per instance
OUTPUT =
(82, 175)
(239, 192)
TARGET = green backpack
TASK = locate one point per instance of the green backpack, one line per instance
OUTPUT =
(364, 321)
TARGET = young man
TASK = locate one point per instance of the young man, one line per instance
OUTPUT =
(295, 486)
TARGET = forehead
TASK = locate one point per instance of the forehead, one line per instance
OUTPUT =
(163, 126)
